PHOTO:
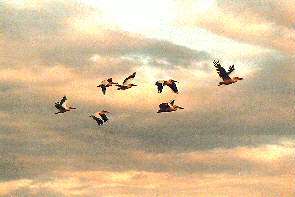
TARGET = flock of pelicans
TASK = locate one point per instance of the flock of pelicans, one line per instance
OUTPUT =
(101, 117)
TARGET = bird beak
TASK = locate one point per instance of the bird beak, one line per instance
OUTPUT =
(180, 107)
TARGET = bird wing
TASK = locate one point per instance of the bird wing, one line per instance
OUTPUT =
(58, 106)
(172, 102)
(173, 87)
(160, 86)
(98, 120)
(110, 80)
(231, 69)
(128, 79)
(104, 117)
(61, 102)
(65, 105)
(221, 72)
(164, 106)
(103, 89)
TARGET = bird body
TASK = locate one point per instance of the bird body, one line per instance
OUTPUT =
(224, 75)
(98, 120)
(62, 106)
(100, 117)
(170, 83)
(168, 107)
(106, 83)
(126, 83)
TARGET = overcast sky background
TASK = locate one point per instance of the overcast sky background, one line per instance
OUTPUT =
(235, 140)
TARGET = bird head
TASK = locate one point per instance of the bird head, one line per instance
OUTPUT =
(220, 83)
(237, 79)
(178, 107)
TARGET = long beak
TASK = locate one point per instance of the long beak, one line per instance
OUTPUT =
(180, 107)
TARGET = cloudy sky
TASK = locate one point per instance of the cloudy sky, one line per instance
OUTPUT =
(229, 141)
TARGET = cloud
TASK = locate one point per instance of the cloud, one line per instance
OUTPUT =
(269, 174)
(263, 23)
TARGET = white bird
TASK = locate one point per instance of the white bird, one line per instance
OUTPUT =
(170, 83)
(63, 106)
(224, 75)
(102, 119)
(168, 107)
(126, 83)
(106, 83)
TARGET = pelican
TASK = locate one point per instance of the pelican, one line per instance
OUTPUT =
(106, 83)
(225, 75)
(126, 83)
(168, 107)
(102, 119)
(170, 83)
(62, 106)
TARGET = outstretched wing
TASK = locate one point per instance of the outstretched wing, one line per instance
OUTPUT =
(65, 105)
(128, 79)
(221, 72)
(110, 80)
(160, 86)
(98, 120)
(173, 87)
(63, 100)
(164, 106)
(231, 69)
(172, 102)
(103, 89)
(104, 117)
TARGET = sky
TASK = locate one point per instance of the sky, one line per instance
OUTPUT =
(235, 140)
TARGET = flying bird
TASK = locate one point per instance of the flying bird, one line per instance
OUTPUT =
(224, 75)
(62, 106)
(168, 107)
(170, 83)
(100, 117)
(106, 83)
(127, 83)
